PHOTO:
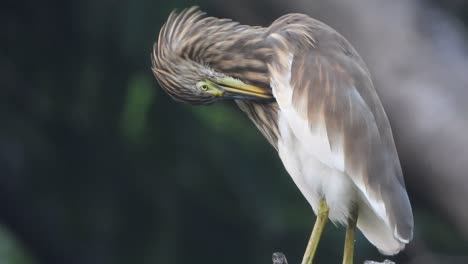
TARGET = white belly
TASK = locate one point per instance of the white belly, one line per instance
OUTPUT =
(319, 172)
(305, 150)
(304, 161)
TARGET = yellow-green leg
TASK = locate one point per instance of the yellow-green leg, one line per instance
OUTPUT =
(322, 217)
(349, 238)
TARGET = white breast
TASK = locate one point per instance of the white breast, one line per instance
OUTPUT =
(305, 151)
(318, 171)
(314, 178)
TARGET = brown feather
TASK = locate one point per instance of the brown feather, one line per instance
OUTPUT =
(331, 82)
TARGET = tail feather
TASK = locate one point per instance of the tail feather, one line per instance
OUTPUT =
(378, 232)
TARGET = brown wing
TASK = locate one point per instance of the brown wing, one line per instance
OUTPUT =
(340, 92)
(332, 85)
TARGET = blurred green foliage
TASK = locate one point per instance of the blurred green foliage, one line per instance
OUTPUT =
(11, 251)
(139, 97)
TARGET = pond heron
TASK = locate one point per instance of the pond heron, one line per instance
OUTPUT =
(311, 95)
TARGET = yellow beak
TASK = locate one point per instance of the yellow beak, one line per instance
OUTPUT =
(238, 90)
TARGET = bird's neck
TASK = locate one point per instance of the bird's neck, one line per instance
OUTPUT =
(240, 52)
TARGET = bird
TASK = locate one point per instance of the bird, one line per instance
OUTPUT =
(311, 95)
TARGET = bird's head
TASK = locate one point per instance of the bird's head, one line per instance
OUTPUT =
(193, 83)
(179, 67)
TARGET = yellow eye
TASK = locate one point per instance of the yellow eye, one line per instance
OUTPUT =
(202, 86)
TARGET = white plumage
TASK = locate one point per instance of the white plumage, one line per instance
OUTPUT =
(319, 172)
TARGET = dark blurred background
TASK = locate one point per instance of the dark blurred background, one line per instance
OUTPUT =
(98, 165)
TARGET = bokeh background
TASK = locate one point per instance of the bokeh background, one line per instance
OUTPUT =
(98, 165)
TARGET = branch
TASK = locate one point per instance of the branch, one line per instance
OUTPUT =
(280, 258)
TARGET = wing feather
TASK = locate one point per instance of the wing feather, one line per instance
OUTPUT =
(357, 128)
(331, 86)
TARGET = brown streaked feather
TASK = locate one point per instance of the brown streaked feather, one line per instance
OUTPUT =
(189, 41)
